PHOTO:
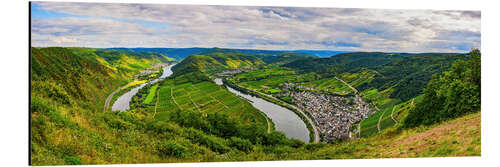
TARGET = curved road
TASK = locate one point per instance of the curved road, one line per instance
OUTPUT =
(106, 104)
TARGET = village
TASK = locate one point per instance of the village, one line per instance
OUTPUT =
(334, 115)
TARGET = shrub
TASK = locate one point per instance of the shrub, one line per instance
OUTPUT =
(171, 148)
(314, 146)
(241, 144)
(72, 160)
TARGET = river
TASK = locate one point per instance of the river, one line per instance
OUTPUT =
(123, 102)
(284, 119)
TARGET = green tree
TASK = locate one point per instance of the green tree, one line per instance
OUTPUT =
(455, 93)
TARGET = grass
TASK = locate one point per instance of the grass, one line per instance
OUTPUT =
(133, 83)
(151, 94)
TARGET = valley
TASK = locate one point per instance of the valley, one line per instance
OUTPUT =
(236, 105)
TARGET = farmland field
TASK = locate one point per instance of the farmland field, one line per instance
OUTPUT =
(205, 97)
(151, 94)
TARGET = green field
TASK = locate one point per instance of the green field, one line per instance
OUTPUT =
(205, 97)
(151, 94)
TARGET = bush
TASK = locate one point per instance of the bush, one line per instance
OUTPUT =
(295, 143)
(171, 148)
(274, 138)
(212, 142)
(241, 144)
(314, 146)
(72, 160)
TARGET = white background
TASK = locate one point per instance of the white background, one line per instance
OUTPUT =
(14, 79)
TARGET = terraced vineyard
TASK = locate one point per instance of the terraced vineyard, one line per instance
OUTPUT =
(205, 97)
(386, 118)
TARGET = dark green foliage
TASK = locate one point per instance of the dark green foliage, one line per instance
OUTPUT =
(73, 160)
(177, 53)
(214, 143)
(295, 143)
(314, 146)
(271, 56)
(274, 138)
(222, 125)
(409, 75)
(343, 62)
(172, 148)
(455, 93)
(241, 144)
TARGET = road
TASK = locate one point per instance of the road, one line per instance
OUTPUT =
(106, 104)
(379, 119)
(353, 89)
(315, 129)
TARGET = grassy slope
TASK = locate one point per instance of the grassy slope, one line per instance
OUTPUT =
(68, 93)
(458, 137)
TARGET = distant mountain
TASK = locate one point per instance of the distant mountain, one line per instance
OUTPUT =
(274, 56)
(320, 53)
(265, 55)
(176, 53)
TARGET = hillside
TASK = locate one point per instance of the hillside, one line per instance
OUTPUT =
(196, 120)
(404, 75)
(271, 56)
(68, 90)
(122, 61)
(215, 60)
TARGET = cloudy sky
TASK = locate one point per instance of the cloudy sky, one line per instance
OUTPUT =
(104, 25)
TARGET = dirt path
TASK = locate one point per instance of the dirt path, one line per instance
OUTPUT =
(353, 89)
(315, 129)
(173, 98)
(268, 123)
(359, 129)
(213, 98)
(392, 115)
(192, 101)
(108, 100)
(379, 119)
(157, 99)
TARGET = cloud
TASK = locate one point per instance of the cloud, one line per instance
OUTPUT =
(154, 25)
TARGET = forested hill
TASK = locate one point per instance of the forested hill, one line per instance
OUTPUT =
(268, 56)
(405, 74)
(176, 53)
(271, 56)
(214, 60)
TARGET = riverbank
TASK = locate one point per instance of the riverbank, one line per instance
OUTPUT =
(313, 134)
(122, 101)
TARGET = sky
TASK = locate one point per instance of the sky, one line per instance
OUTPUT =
(106, 25)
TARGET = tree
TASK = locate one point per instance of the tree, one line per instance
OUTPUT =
(455, 93)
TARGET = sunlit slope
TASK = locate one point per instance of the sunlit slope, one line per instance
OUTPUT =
(215, 60)
(68, 91)
(458, 137)
(124, 62)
